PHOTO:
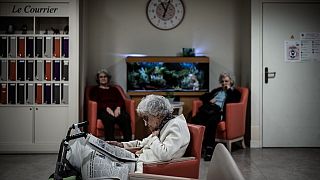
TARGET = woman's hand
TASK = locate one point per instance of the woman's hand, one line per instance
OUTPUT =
(116, 143)
(226, 87)
(117, 112)
(110, 111)
(213, 100)
(139, 152)
(155, 133)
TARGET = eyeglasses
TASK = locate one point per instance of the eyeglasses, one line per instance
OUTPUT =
(102, 76)
(145, 120)
(224, 81)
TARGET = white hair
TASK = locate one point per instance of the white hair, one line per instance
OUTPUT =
(154, 105)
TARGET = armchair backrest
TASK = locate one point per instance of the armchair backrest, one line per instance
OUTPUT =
(236, 115)
(244, 99)
(196, 138)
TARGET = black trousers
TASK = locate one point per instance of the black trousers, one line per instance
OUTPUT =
(210, 121)
(123, 121)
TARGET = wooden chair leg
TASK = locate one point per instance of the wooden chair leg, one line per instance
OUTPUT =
(243, 145)
(229, 145)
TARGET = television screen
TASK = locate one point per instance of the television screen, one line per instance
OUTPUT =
(167, 76)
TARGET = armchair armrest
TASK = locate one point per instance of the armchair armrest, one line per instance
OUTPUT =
(195, 106)
(129, 103)
(171, 161)
(92, 117)
(182, 167)
(234, 120)
(145, 176)
(133, 149)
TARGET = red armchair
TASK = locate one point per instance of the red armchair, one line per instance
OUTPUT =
(95, 126)
(232, 128)
(188, 166)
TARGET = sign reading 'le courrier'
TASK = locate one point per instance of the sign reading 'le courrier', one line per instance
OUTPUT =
(33, 9)
(30, 9)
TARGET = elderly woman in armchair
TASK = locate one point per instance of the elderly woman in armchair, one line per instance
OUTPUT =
(111, 106)
(169, 136)
(213, 109)
(168, 140)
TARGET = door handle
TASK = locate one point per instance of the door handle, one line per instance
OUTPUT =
(268, 75)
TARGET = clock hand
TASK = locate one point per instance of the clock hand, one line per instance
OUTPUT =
(162, 4)
(165, 9)
(168, 4)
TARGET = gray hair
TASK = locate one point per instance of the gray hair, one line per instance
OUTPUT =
(154, 105)
(103, 71)
(225, 74)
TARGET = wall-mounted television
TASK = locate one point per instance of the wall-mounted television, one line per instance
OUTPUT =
(167, 74)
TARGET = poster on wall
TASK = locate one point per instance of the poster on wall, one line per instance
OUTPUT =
(292, 51)
(307, 49)
(310, 46)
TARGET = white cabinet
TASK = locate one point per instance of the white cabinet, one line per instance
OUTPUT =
(32, 129)
(50, 124)
(39, 67)
(16, 125)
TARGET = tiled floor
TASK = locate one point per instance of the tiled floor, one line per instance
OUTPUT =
(275, 163)
(255, 164)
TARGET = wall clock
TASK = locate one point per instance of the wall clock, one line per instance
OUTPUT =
(165, 14)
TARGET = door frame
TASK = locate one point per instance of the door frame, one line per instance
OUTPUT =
(257, 72)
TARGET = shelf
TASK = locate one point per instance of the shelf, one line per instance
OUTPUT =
(15, 25)
(38, 70)
(34, 61)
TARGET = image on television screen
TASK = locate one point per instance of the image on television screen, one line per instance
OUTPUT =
(167, 76)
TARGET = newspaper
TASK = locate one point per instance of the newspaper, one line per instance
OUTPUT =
(107, 161)
(100, 166)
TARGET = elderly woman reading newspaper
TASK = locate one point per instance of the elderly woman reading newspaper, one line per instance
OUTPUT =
(170, 135)
(168, 140)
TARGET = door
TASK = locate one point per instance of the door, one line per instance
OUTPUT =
(291, 100)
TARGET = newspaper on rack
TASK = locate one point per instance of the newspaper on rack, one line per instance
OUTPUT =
(107, 161)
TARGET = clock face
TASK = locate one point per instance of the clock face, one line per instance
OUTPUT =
(165, 14)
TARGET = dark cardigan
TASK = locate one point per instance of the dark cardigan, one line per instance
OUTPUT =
(233, 95)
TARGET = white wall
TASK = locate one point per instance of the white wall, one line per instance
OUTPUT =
(112, 29)
(219, 29)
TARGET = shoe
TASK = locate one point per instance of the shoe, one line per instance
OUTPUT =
(207, 157)
(208, 154)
